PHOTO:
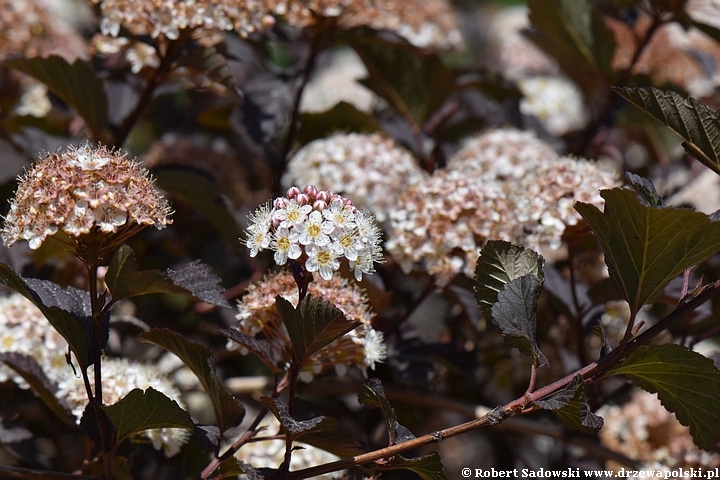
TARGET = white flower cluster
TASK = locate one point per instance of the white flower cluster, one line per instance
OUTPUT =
(316, 228)
(24, 329)
(369, 168)
(504, 185)
(555, 101)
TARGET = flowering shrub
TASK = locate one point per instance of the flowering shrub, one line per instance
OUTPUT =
(373, 220)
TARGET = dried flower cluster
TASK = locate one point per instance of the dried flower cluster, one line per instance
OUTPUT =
(29, 28)
(258, 317)
(271, 453)
(644, 430)
(502, 185)
(423, 23)
(24, 329)
(316, 228)
(369, 168)
(82, 190)
(120, 376)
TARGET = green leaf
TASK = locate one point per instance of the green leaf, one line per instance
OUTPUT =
(686, 383)
(500, 263)
(61, 320)
(194, 280)
(413, 82)
(138, 411)
(260, 347)
(77, 85)
(28, 368)
(574, 34)
(198, 358)
(427, 467)
(199, 192)
(690, 119)
(646, 247)
(296, 429)
(313, 325)
(645, 188)
(573, 409)
(372, 393)
(514, 314)
(341, 117)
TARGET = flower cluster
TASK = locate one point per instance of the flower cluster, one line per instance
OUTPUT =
(370, 168)
(31, 29)
(120, 376)
(81, 190)
(315, 228)
(258, 316)
(24, 329)
(503, 185)
(555, 101)
(422, 22)
(271, 452)
(645, 431)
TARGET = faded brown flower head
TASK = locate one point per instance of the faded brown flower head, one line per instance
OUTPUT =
(82, 191)
(503, 185)
(369, 168)
(258, 317)
(422, 22)
(29, 29)
(645, 431)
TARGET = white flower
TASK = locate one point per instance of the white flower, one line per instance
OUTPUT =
(375, 349)
(293, 214)
(322, 259)
(86, 159)
(348, 243)
(285, 246)
(338, 214)
(314, 230)
(108, 217)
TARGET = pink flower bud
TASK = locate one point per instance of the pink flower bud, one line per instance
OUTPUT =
(319, 205)
(323, 195)
(293, 192)
(302, 199)
(310, 191)
(280, 203)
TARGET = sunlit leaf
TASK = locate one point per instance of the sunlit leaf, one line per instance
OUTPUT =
(686, 383)
(139, 411)
(646, 247)
(72, 329)
(76, 84)
(514, 314)
(314, 324)
(645, 188)
(198, 358)
(500, 263)
(690, 119)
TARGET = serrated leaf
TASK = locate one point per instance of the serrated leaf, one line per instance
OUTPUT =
(198, 358)
(575, 413)
(207, 437)
(199, 192)
(343, 117)
(77, 85)
(574, 34)
(514, 314)
(690, 119)
(313, 325)
(139, 411)
(498, 264)
(195, 280)
(260, 347)
(427, 467)
(645, 188)
(372, 393)
(646, 247)
(686, 382)
(560, 399)
(296, 429)
(28, 368)
(413, 82)
(67, 325)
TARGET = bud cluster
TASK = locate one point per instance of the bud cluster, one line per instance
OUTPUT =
(316, 228)
(81, 190)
